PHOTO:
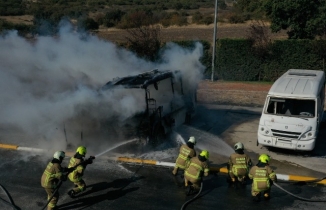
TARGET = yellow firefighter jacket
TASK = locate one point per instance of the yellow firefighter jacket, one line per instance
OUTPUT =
(51, 175)
(185, 153)
(239, 164)
(196, 169)
(261, 177)
(78, 173)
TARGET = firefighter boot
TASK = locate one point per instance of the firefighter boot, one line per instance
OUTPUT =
(175, 171)
(234, 183)
(187, 190)
(242, 181)
(72, 193)
(190, 190)
(186, 183)
(266, 196)
(230, 181)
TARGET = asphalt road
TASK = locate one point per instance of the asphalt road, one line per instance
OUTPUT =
(113, 185)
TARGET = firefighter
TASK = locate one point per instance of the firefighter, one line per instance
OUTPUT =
(186, 152)
(239, 165)
(196, 168)
(263, 177)
(76, 176)
(51, 176)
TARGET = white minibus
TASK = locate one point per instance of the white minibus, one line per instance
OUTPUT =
(293, 110)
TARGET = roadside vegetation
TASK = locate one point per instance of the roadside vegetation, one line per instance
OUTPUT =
(255, 58)
(94, 14)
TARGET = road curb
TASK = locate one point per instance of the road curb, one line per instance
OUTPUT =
(9, 146)
(31, 149)
(283, 177)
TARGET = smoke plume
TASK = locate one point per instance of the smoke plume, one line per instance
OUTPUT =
(49, 87)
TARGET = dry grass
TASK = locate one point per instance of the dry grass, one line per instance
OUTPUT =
(235, 93)
(192, 32)
(243, 86)
(172, 33)
(24, 19)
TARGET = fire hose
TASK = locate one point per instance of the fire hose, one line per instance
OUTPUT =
(10, 202)
(276, 185)
(187, 202)
(91, 158)
(301, 198)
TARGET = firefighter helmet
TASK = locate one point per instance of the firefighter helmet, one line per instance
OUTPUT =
(59, 155)
(81, 150)
(264, 158)
(238, 146)
(192, 140)
(205, 154)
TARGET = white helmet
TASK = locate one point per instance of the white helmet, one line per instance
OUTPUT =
(192, 140)
(59, 155)
(238, 146)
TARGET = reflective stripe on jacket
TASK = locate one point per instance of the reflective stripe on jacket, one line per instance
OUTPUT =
(261, 177)
(196, 168)
(77, 174)
(239, 164)
(185, 153)
(51, 175)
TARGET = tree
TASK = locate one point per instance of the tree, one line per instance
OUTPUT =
(261, 42)
(304, 19)
(88, 24)
(144, 36)
(251, 9)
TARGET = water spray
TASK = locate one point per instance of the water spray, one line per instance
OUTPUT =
(180, 139)
(118, 145)
(64, 130)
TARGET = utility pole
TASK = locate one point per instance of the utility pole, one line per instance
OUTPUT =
(214, 42)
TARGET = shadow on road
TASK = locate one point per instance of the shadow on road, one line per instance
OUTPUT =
(216, 120)
(110, 195)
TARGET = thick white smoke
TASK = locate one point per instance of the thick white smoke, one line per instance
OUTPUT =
(49, 84)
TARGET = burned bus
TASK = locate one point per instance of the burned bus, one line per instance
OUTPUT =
(165, 101)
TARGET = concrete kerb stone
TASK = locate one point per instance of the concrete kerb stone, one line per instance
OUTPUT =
(9, 146)
(31, 149)
(283, 177)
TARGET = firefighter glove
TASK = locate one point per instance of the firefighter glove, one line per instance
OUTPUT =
(90, 160)
(68, 170)
(271, 182)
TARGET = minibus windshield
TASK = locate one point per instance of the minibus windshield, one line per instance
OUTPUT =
(291, 107)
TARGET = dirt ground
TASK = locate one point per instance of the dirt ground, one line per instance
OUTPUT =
(236, 93)
(193, 32)
(174, 33)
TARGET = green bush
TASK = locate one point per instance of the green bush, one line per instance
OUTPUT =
(207, 20)
(12, 7)
(236, 59)
(112, 18)
(222, 5)
(88, 24)
(236, 18)
(197, 17)
(174, 19)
